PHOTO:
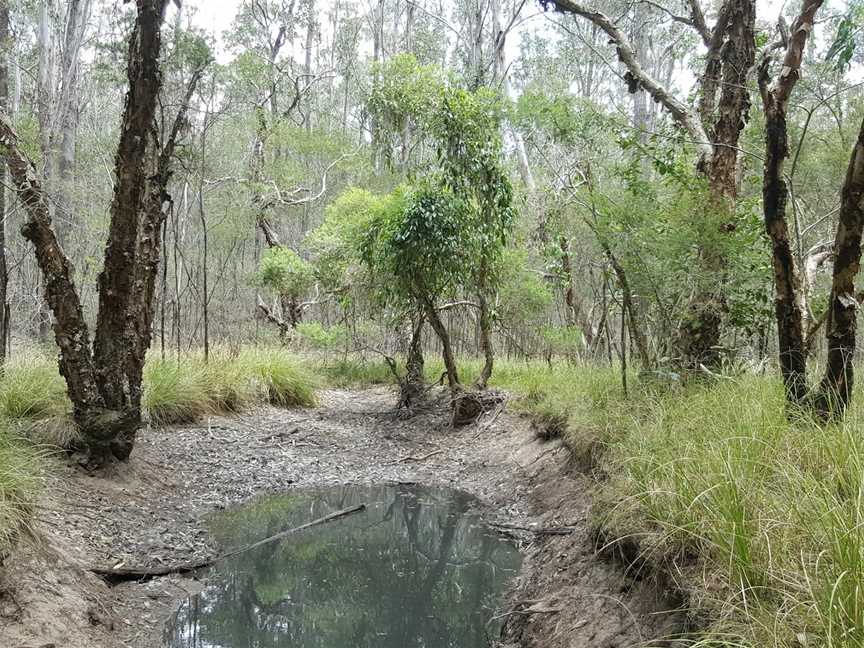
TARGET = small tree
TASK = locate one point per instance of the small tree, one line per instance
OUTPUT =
(419, 246)
(290, 277)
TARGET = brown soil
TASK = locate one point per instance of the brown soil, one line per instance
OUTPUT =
(150, 511)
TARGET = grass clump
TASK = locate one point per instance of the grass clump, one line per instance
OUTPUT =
(33, 400)
(32, 388)
(760, 518)
(21, 478)
(176, 391)
(186, 390)
(283, 381)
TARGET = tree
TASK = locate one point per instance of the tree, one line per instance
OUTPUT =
(713, 128)
(419, 244)
(104, 381)
(833, 393)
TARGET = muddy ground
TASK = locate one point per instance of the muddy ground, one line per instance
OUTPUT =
(150, 512)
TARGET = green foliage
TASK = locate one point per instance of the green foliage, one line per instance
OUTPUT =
(404, 93)
(322, 337)
(563, 341)
(523, 296)
(285, 273)
(845, 39)
(419, 240)
(336, 243)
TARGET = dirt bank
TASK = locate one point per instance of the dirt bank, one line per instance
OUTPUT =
(149, 512)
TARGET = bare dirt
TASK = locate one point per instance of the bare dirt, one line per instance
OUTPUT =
(150, 512)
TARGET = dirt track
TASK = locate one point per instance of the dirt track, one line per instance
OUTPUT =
(149, 512)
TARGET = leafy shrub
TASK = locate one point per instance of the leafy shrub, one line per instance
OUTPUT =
(322, 337)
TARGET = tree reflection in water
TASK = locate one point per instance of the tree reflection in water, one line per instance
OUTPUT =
(417, 568)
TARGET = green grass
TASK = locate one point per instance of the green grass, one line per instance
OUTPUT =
(281, 377)
(759, 520)
(33, 394)
(21, 476)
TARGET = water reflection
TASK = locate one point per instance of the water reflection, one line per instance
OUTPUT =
(417, 568)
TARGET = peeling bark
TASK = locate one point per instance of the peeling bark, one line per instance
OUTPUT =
(835, 389)
(104, 384)
(789, 309)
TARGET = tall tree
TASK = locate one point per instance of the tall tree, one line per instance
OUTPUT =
(4, 101)
(104, 381)
(788, 308)
(713, 128)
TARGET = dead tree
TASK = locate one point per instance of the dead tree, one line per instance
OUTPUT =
(104, 380)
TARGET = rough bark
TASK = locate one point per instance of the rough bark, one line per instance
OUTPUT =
(70, 328)
(835, 389)
(738, 55)
(131, 237)
(4, 107)
(788, 295)
(104, 384)
(714, 130)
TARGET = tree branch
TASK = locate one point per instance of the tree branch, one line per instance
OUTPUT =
(637, 76)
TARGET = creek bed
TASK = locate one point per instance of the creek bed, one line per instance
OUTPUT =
(418, 567)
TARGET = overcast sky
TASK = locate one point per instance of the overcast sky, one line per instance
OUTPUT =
(216, 16)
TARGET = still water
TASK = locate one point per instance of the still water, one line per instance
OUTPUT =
(417, 568)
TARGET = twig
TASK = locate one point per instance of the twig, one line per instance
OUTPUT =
(422, 458)
(565, 530)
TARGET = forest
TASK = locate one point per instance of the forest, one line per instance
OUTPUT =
(559, 296)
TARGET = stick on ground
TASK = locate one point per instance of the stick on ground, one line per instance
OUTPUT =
(122, 574)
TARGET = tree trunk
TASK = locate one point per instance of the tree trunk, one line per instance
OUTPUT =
(444, 337)
(835, 389)
(4, 107)
(485, 324)
(77, 14)
(788, 295)
(104, 384)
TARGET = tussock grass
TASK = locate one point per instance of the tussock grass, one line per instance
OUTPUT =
(33, 400)
(33, 396)
(21, 478)
(759, 519)
(283, 380)
(176, 391)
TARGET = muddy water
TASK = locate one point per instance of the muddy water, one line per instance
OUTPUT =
(417, 568)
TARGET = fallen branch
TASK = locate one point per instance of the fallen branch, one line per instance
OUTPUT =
(115, 575)
(565, 530)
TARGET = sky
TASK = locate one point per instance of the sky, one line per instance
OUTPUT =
(216, 16)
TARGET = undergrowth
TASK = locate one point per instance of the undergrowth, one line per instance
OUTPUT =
(33, 397)
(21, 470)
(758, 519)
